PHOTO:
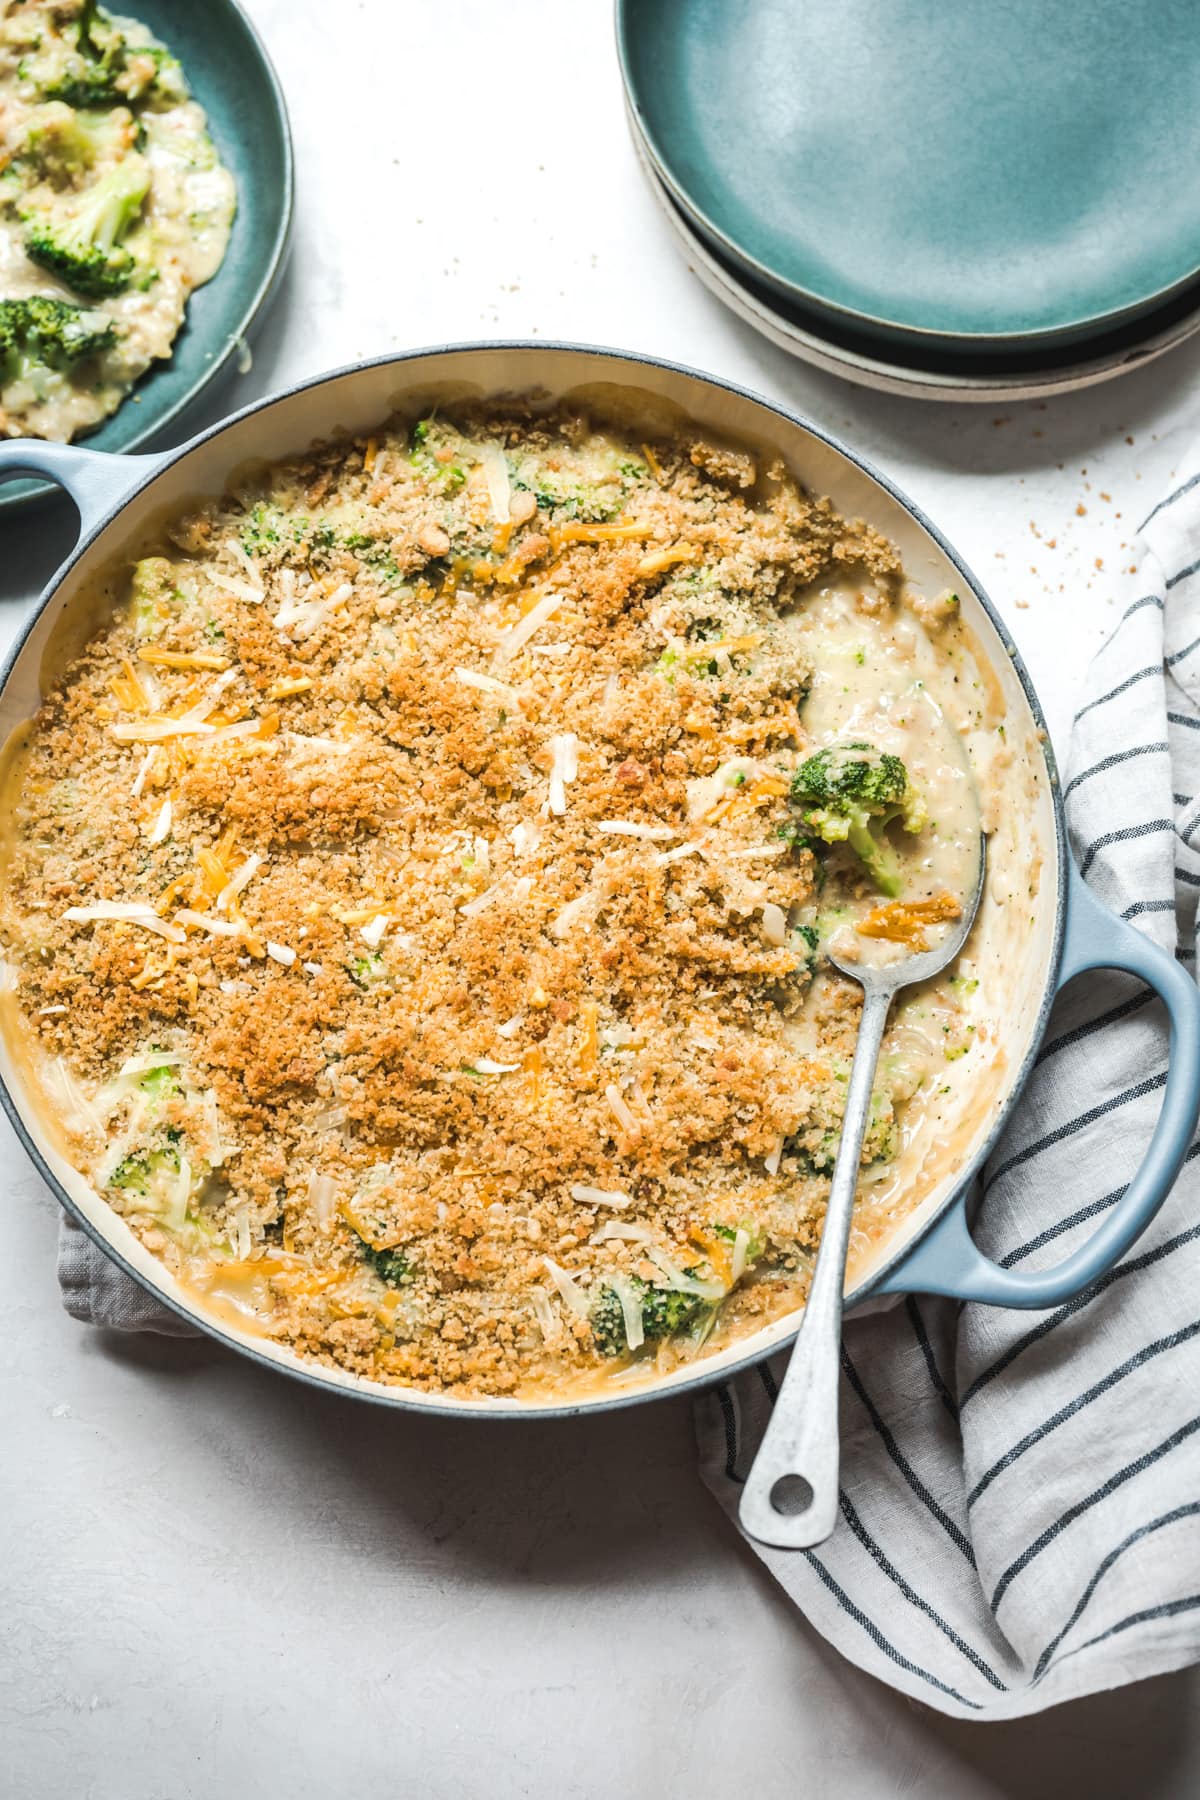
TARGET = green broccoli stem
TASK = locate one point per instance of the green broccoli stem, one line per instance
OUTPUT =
(879, 860)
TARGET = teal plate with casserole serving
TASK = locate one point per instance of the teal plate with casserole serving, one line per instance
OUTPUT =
(987, 176)
(231, 76)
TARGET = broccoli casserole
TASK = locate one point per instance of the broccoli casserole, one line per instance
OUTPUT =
(113, 207)
(416, 893)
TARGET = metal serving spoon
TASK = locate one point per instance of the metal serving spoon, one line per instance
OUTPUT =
(790, 1499)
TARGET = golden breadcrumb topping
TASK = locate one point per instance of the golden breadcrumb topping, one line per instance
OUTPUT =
(409, 915)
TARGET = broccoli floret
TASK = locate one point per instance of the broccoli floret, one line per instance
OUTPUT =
(588, 485)
(728, 1234)
(40, 333)
(144, 1171)
(664, 1311)
(260, 529)
(365, 971)
(151, 1177)
(810, 937)
(93, 64)
(154, 74)
(153, 595)
(61, 144)
(879, 1145)
(392, 1266)
(850, 794)
(702, 631)
(159, 1082)
(447, 477)
(584, 502)
(83, 69)
(83, 248)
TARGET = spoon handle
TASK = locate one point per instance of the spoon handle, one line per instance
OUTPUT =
(790, 1498)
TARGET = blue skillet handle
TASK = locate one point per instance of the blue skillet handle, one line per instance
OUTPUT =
(947, 1261)
(98, 481)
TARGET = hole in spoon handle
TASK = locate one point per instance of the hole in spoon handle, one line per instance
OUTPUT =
(792, 1495)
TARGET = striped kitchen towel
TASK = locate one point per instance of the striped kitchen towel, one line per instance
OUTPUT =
(1020, 1501)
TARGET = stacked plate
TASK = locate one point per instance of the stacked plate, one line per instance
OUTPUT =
(956, 202)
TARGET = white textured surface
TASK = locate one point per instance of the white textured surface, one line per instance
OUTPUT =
(214, 1582)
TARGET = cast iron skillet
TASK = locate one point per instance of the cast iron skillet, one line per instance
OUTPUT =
(120, 498)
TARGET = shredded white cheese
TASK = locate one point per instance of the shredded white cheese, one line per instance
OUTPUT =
(188, 724)
(153, 1059)
(771, 1163)
(483, 1065)
(564, 767)
(543, 1312)
(525, 628)
(630, 828)
(180, 1195)
(631, 1311)
(569, 1290)
(240, 728)
(244, 560)
(594, 1196)
(472, 908)
(624, 1229)
(281, 954)
(524, 838)
(322, 1197)
(487, 684)
(495, 469)
(625, 1119)
(161, 828)
(568, 916)
(372, 933)
(129, 912)
(302, 617)
(676, 855)
(774, 924)
(196, 715)
(237, 881)
(154, 731)
(206, 922)
(241, 590)
(674, 1277)
(144, 768)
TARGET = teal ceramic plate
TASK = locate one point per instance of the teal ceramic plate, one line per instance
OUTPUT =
(989, 175)
(233, 80)
(981, 379)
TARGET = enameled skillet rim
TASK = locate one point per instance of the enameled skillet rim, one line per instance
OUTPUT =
(439, 1405)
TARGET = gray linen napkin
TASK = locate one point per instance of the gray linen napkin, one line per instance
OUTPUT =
(1020, 1503)
(1021, 1492)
